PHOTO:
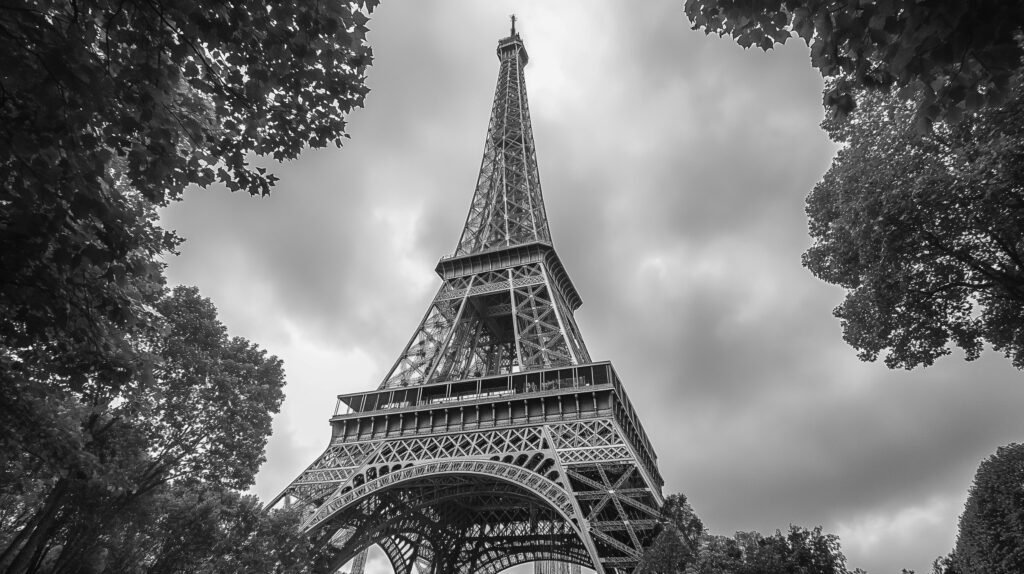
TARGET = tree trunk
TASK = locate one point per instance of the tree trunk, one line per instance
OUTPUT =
(20, 554)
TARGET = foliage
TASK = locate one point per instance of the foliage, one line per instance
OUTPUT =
(959, 55)
(201, 528)
(191, 526)
(668, 554)
(211, 414)
(675, 547)
(182, 90)
(946, 564)
(677, 513)
(720, 554)
(991, 537)
(924, 231)
(109, 109)
(684, 546)
(798, 551)
(110, 387)
(202, 414)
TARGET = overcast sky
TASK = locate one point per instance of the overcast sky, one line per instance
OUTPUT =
(674, 168)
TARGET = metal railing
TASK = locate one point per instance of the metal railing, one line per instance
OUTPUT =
(476, 389)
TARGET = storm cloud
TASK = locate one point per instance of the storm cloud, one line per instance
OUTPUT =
(675, 168)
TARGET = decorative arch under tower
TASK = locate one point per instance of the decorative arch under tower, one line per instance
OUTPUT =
(495, 439)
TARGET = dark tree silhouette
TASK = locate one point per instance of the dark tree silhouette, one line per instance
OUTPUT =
(108, 111)
(925, 231)
(202, 415)
(991, 537)
(958, 55)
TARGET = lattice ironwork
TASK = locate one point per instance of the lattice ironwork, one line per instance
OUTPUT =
(413, 366)
(492, 318)
(507, 207)
(460, 523)
(492, 322)
(493, 440)
(474, 444)
(556, 568)
(337, 464)
(620, 508)
(585, 434)
(359, 563)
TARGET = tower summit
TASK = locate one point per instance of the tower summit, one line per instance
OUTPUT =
(507, 207)
(494, 439)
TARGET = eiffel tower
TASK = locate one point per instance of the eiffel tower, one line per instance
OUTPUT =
(495, 439)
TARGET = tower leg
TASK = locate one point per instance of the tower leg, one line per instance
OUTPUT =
(359, 564)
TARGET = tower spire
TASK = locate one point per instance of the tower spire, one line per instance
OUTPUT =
(507, 208)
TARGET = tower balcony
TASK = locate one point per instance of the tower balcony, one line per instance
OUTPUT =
(539, 396)
(505, 256)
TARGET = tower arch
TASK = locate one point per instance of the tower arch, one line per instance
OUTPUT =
(457, 516)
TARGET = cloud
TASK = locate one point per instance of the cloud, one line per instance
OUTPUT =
(901, 530)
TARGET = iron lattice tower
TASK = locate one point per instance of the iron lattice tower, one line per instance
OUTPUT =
(494, 440)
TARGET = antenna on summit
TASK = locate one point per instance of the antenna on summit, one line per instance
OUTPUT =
(513, 18)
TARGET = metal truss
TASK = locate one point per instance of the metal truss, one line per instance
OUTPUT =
(590, 441)
(510, 441)
(492, 322)
(359, 563)
(499, 317)
(459, 523)
(507, 207)
(620, 508)
(322, 478)
(484, 501)
(494, 440)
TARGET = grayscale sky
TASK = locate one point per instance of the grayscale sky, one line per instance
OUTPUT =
(674, 168)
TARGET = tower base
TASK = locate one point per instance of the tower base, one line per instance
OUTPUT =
(479, 475)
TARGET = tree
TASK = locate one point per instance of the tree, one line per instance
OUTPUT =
(991, 536)
(198, 527)
(109, 109)
(800, 551)
(924, 231)
(684, 546)
(946, 564)
(959, 55)
(719, 555)
(676, 545)
(202, 416)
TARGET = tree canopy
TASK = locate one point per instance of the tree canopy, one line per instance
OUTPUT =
(925, 231)
(960, 56)
(110, 109)
(201, 416)
(675, 547)
(113, 390)
(798, 551)
(197, 527)
(683, 546)
(991, 536)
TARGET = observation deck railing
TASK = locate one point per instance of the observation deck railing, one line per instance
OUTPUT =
(503, 387)
(484, 388)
